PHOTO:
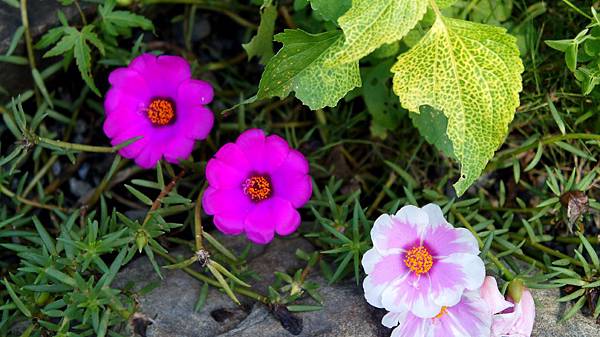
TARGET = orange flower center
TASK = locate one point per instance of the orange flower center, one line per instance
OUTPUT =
(161, 111)
(258, 188)
(419, 260)
(442, 312)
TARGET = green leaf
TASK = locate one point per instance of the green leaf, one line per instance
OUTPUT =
(300, 67)
(61, 277)
(370, 23)
(432, 125)
(16, 299)
(201, 297)
(385, 110)
(331, 10)
(45, 236)
(77, 41)
(444, 3)
(39, 82)
(116, 22)
(471, 72)
(83, 58)
(261, 44)
(64, 45)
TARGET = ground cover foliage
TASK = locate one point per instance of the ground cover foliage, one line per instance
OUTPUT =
(73, 213)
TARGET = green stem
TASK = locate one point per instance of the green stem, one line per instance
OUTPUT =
(322, 119)
(546, 249)
(40, 174)
(198, 221)
(545, 141)
(577, 9)
(509, 275)
(524, 258)
(29, 44)
(204, 278)
(565, 239)
(381, 194)
(51, 143)
(28, 202)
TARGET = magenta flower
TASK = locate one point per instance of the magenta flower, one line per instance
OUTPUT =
(510, 319)
(155, 97)
(470, 317)
(420, 263)
(255, 186)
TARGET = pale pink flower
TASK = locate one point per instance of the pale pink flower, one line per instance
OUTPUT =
(510, 319)
(420, 263)
(468, 318)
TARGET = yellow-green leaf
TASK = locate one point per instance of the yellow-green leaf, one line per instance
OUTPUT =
(471, 72)
(300, 67)
(370, 23)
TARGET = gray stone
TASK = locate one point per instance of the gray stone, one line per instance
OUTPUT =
(171, 303)
(548, 313)
(345, 313)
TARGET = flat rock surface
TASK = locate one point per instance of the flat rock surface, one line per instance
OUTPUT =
(345, 312)
(548, 313)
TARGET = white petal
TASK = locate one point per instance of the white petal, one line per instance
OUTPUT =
(370, 259)
(390, 236)
(472, 266)
(391, 319)
(373, 292)
(436, 215)
(414, 216)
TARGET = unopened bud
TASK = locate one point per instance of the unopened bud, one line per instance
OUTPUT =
(141, 241)
(515, 290)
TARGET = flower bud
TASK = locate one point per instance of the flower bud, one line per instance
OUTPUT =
(141, 240)
(515, 290)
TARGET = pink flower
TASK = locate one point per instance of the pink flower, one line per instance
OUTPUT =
(468, 318)
(420, 263)
(510, 319)
(155, 97)
(255, 186)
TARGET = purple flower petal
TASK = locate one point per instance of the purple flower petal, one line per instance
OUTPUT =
(265, 153)
(291, 181)
(232, 155)
(382, 271)
(125, 78)
(193, 93)
(269, 215)
(412, 293)
(252, 145)
(391, 236)
(447, 240)
(450, 276)
(278, 152)
(468, 318)
(230, 223)
(221, 175)
(225, 201)
(179, 149)
(279, 183)
(196, 123)
(149, 78)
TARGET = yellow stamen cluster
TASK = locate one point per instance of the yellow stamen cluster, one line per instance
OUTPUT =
(442, 312)
(419, 260)
(258, 188)
(161, 111)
